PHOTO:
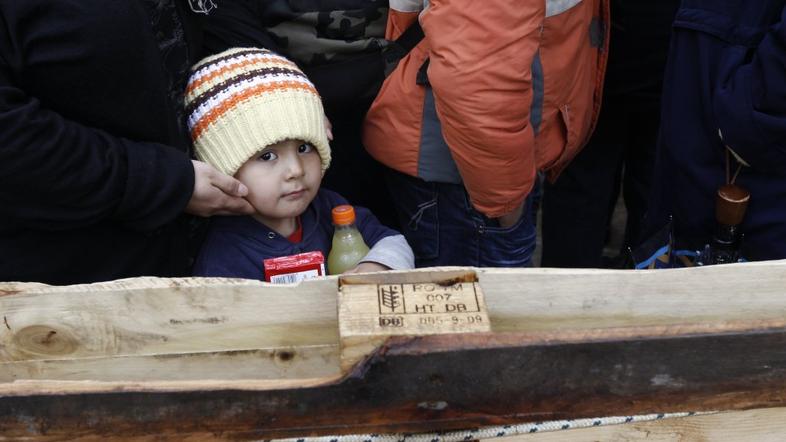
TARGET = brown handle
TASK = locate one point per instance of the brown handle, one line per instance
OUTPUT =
(731, 204)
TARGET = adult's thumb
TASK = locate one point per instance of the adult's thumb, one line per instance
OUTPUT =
(229, 185)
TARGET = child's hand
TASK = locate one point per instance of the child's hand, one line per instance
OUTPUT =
(367, 267)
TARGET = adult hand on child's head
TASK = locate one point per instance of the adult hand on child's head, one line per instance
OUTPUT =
(216, 193)
(368, 267)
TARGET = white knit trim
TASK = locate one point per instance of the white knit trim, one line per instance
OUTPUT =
(260, 121)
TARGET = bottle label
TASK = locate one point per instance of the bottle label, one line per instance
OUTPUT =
(291, 278)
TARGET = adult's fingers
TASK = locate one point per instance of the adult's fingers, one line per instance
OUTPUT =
(228, 185)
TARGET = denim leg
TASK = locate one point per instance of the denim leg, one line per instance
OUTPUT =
(508, 247)
(458, 231)
(415, 202)
(444, 229)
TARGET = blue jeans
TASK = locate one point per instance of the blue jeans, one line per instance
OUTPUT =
(444, 229)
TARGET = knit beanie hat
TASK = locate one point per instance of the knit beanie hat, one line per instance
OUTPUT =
(244, 99)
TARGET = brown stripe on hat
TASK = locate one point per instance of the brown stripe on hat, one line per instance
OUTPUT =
(231, 81)
(232, 101)
(231, 67)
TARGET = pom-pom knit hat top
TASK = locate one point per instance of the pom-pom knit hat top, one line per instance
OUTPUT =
(244, 99)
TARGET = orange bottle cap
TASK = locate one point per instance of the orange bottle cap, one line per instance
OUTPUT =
(343, 215)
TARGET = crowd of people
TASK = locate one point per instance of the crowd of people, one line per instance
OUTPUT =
(200, 137)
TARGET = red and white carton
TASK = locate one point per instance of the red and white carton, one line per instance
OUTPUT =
(294, 268)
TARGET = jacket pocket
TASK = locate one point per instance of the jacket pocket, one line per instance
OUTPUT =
(737, 24)
(571, 145)
(573, 58)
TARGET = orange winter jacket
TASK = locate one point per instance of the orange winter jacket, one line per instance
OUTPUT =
(494, 92)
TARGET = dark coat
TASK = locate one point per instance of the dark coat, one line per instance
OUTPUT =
(726, 75)
(94, 154)
(236, 245)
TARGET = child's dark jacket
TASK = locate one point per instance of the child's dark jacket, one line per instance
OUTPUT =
(236, 245)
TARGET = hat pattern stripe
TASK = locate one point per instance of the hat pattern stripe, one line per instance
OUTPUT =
(230, 81)
(234, 87)
(211, 70)
(230, 54)
(231, 102)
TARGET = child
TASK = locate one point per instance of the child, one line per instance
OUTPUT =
(254, 115)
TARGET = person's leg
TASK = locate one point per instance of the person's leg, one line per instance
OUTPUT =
(639, 163)
(507, 247)
(576, 207)
(416, 204)
(443, 228)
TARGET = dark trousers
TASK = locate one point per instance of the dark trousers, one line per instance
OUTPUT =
(444, 229)
(578, 206)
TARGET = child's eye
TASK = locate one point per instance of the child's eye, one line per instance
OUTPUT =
(305, 148)
(267, 156)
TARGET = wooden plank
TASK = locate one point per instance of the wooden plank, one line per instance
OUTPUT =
(157, 316)
(436, 383)
(152, 316)
(302, 362)
(760, 425)
(567, 344)
(550, 299)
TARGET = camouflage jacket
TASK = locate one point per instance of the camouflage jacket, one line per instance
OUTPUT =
(311, 32)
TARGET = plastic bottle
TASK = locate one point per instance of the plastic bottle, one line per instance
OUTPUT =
(348, 245)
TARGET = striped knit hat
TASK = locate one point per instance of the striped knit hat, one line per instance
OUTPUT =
(242, 100)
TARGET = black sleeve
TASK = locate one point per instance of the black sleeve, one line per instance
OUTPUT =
(56, 174)
(237, 23)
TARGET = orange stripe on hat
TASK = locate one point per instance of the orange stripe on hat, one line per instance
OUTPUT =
(231, 68)
(233, 100)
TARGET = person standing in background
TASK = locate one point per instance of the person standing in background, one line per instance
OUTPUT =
(577, 207)
(723, 123)
(492, 94)
(94, 150)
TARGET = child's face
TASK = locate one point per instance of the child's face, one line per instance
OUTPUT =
(282, 180)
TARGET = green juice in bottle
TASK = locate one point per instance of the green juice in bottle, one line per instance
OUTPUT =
(348, 245)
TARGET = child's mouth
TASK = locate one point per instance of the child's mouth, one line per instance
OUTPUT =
(295, 194)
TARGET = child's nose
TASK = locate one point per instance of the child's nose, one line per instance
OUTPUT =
(295, 167)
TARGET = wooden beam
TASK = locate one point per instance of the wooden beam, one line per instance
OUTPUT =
(564, 344)
(436, 383)
(158, 316)
(285, 363)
